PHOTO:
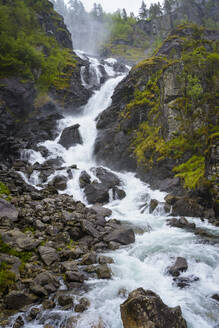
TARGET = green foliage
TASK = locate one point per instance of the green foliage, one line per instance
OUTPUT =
(7, 278)
(6, 249)
(26, 50)
(4, 190)
(195, 89)
(192, 172)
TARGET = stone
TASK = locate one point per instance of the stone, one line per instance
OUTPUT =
(89, 229)
(48, 304)
(83, 305)
(179, 266)
(19, 322)
(183, 282)
(106, 177)
(103, 272)
(124, 236)
(69, 266)
(105, 260)
(74, 276)
(70, 136)
(101, 211)
(181, 223)
(187, 207)
(48, 255)
(96, 193)
(44, 284)
(65, 300)
(153, 205)
(8, 210)
(118, 193)
(33, 314)
(90, 258)
(18, 299)
(145, 309)
(60, 182)
(215, 297)
(84, 179)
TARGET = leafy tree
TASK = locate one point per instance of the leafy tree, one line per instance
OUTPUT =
(124, 14)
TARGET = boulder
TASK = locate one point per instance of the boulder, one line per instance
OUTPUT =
(181, 223)
(74, 276)
(8, 210)
(153, 205)
(179, 266)
(183, 282)
(83, 305)
(187, 207)
(215, 297)
(89, 229)
(122, 236)
(44, 284)
(48, 255)
(108, 178)
(90, 258)
(145, 309)
(105, 260)
(84, 179)
(60, 182)
(70, 136)
(97, 193)
(19, 322)
(101, 211)
(18, 299)
(65, 300)
(118, 193)
(103, 271)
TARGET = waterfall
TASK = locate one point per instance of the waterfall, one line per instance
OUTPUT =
(144, 263)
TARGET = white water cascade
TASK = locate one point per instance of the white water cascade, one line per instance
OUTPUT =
(144, 263)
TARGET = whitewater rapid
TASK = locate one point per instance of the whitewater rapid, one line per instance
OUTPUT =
(144, 263)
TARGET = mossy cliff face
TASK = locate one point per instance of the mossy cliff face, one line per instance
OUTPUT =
(163, 119)
(39, 73)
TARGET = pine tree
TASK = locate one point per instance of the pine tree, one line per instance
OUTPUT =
(143, 12)
(124, 14)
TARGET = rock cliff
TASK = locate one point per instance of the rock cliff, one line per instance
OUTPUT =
(163, 119)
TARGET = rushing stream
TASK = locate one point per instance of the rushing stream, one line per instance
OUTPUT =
(144, 263)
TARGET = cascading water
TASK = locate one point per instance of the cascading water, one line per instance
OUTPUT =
(144, 263)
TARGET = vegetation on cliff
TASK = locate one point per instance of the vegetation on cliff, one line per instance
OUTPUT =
(195, 69)
(27, 50)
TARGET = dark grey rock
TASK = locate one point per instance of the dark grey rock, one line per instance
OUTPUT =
(71, 136)
(179, 266)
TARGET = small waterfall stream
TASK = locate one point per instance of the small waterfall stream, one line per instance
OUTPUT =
(144, 263)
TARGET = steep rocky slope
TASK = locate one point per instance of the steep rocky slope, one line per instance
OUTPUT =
(39, 75)
(163, 119)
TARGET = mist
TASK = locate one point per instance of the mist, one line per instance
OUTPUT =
(89, 30)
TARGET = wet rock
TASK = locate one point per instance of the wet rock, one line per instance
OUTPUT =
(105, 260)
(83, 305)
(48, 255)
(203, 233)
(179, 266)
(145, 309)
(13, 262)
(171, 199)
(97, 193)
(108, 178)
(53, 163)
(33, 314)
(84, 179)
(215, 297)
(8, 210)
(60, 182)
(64, 300)
(181, 223)
(74, 276)
(72, 322)
(19, 322)
(101, 211)
(68, 266)
(44, 284)
(118, 193)
(187, 207)
(18, 299)
(153, 205)
(17, 239)
(103, 272)
(48, 304)
(89, 229)
(183, 282)
(90, 258)
(43, 151)
(122, 236)
(70, 136)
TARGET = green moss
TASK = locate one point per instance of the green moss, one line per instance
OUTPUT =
(4, 191)
(192, 172)
(6, 249)
(7, 278)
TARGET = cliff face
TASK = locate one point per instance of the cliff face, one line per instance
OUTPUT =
(163, 119)
(39, 74)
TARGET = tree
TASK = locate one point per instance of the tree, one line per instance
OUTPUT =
(124, 14)
(143, 12)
